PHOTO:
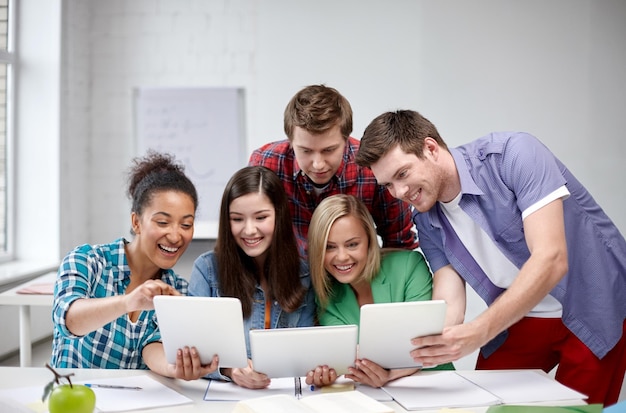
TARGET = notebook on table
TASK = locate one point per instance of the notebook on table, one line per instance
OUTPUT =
(386, 330)
(214, 325)
(293, 352)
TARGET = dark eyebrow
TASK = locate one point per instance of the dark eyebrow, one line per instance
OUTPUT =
(168, 215)
(322, 149)
(261, 211)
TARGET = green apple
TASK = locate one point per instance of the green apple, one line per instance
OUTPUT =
(75, 398)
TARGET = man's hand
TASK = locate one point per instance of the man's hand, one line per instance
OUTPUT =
(454, 343)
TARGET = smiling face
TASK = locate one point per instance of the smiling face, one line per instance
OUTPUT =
(346, 250)
(164, 229)
(252, 218)
(411, 179)
(319, 155)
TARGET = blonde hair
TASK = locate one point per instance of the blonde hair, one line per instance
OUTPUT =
(324, 216)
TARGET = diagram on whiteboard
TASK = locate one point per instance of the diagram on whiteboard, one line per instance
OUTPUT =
(204, 129)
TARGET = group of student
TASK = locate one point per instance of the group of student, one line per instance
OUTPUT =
(298, 245)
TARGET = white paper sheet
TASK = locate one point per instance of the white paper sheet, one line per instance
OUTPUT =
(152, 394)
(515, 387)
(442, 389)
(228, 391)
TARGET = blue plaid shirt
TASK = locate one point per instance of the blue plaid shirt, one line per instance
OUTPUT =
(95, 271)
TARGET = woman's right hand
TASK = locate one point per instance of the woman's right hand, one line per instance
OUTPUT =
(247, 377)
(321, 376)
(141, 297)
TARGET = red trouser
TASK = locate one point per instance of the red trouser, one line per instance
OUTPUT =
(542, 343)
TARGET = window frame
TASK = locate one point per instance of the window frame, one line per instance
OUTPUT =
(9, 57)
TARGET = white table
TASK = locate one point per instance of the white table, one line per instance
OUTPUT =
(16, 377)
(24, 302)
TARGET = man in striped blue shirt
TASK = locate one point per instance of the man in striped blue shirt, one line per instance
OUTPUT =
(504, 215)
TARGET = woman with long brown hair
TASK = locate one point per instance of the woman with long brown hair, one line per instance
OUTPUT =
(256, 260)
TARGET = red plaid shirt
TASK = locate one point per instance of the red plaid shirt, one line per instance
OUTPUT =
(392, 216)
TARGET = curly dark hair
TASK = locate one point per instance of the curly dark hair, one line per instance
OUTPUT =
(157, 172)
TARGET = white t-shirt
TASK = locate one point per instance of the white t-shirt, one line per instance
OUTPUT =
(500, 270)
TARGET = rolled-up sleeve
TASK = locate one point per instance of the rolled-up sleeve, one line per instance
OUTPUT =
(72, 283)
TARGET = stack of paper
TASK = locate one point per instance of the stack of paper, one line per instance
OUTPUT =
(228, 391)
(477, 388)
(583, 408)
(443, 389)
(516, 387)
(341, 402)
(423, 391)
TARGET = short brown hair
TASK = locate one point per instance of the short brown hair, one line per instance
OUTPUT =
(316, 109)
(406, 128)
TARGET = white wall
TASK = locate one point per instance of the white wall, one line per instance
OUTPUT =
(555, 69)
(77, 212)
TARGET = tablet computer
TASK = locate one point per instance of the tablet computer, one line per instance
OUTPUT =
(214, 325)
(292, 352)
(386, 330)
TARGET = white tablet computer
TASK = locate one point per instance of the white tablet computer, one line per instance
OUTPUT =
(292, 352)
(214, 325)
(386, 330)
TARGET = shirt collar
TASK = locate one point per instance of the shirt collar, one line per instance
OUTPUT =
(468, 186)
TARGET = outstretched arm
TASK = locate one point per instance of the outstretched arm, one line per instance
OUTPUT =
(545, 236)
(372, 374)
(450, 287)
(88, 314)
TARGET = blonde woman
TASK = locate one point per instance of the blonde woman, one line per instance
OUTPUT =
(348, 270)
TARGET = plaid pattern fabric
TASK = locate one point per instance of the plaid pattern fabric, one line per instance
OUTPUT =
(392, 216)
(94, 272)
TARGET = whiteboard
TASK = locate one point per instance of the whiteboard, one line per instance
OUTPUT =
(204, 129)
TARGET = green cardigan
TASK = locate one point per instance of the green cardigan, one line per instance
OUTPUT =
(404, 276)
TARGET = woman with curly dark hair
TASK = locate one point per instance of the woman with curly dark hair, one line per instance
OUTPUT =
(103, 312)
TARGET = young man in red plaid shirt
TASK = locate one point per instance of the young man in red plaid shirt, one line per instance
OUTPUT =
(317, 161)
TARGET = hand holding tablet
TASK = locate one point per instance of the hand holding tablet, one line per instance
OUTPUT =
(386, 330)
(214, 325)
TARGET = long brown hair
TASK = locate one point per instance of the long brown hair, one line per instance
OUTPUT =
(237, 272)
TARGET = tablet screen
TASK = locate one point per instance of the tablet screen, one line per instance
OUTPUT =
(214, 325)
(386, 330)
(292, 352)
